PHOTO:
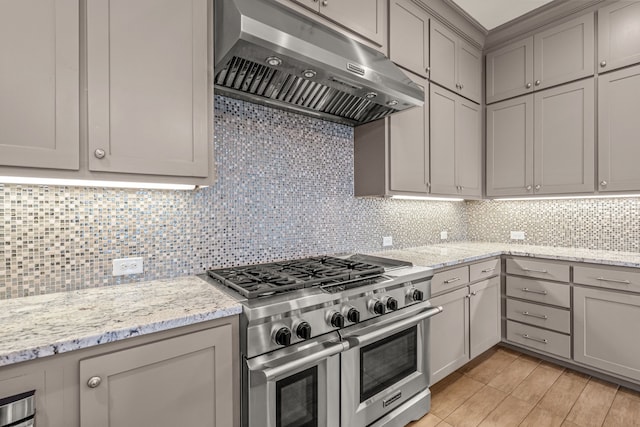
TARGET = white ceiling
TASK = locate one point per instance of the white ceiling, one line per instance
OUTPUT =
(493, 13)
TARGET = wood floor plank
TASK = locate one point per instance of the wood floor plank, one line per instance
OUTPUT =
(509, 413)
(492, 366)
(536, 384)
(564, 393)
(625, 410)
(448, 398)
(475, 409)
(514, 374)
(541, 418)
(594, 402)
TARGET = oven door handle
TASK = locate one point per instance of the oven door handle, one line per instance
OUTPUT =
(270, 373)
(363, 340)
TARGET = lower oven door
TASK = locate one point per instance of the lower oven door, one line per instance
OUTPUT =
(386, 365)
(296, 388)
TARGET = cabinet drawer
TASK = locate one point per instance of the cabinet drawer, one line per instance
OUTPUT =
(539, 269)
(484, 269)
(540, 339)
(449, 279)
(539, 315)
(612, 278)
(539, 291)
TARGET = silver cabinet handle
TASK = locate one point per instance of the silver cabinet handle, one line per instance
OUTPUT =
(538, 82)
(488, 270)
(603, 64)
(533, 270)
(94, 382)
(455, 279)
(528, 86)
(540, 340)
(531, 291)
(99, 153)
(604, 279)
(537, 316)
(538, 187)
(603, 183)
(528, 188)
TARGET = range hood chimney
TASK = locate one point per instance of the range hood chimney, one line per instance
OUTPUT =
(268, 54)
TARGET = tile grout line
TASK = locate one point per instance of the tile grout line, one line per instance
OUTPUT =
(610, 405)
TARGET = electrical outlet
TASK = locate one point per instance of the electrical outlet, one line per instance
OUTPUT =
(124, 266)
(517, 235)
(387, 241)
(444, 235)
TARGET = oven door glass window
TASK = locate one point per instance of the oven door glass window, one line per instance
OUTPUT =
(297, 400)
(387, 361)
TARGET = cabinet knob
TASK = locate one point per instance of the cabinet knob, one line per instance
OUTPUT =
(428, 70)
(603, 183)
(325, 3)
(461, 86)
(538, 187)
(603, 64)
(528, 188)
(94, 382)
(528, 86)
(538, 82)
(100, 153)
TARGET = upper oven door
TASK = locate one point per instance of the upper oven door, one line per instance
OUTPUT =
(386, 364)
(297, 388)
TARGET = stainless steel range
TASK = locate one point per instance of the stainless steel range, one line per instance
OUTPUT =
(329, 341)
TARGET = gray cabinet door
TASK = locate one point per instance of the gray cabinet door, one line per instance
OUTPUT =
(443, 141)
(39, 84)
(175, 382)
(484, 318)
(510, 71)
(148, 90)
(444, 56)
(618, 130)
(618, 35)
(469, 71)
(409, 147)
(510, 147)
(564, 139)
(409, 36)
(564, 52)
(449, 334)
(606, 330)
(365, 17)
(468, 148)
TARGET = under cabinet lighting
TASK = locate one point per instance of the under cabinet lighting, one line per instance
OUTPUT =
(93, 183)
(434, 199)
(599, 196)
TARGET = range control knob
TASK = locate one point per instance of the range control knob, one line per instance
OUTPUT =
(283, 336)
(353, 315)
(336, 320)
(392, 303)
(376, 306)
(303, 330)
(416, 295)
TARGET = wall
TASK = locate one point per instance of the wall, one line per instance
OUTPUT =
(602, 224)
(284, 189)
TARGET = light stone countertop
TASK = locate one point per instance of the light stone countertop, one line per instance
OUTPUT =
(450, 254)
(43, 325)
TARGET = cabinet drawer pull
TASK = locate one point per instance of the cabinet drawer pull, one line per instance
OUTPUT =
(537, 316)
(604, 279)
(455, 279)
(488, 270)
(533, 270)
(531, 291)
(540, 340)
(94, 382)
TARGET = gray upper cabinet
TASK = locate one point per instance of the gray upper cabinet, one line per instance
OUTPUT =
(564, 53)
(618, 130)
(39, 84)
(455, 145)
(557, 55)
(409, 36)
(510, 70)
(148, 90)
(455, 64)
(618, 35)
(510, 147)
(364, 17)
(564, 133)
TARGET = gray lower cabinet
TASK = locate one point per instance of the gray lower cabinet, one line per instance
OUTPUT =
(484, 317)
(456, 145)
(39, 84)
(409, 36)
(618, 130)
(606, 330)
(618, 35)
(148, 90)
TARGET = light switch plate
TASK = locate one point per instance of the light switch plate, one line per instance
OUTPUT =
(517, 235)
(387, 241)
(444, 235)
(124, 266)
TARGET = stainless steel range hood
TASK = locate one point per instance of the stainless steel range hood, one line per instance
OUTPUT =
(268, 54)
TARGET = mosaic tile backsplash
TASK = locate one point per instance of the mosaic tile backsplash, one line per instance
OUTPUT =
(284, 189)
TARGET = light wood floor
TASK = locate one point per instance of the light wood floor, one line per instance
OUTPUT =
(506, 388)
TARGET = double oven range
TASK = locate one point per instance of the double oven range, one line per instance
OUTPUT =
(330, 341)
